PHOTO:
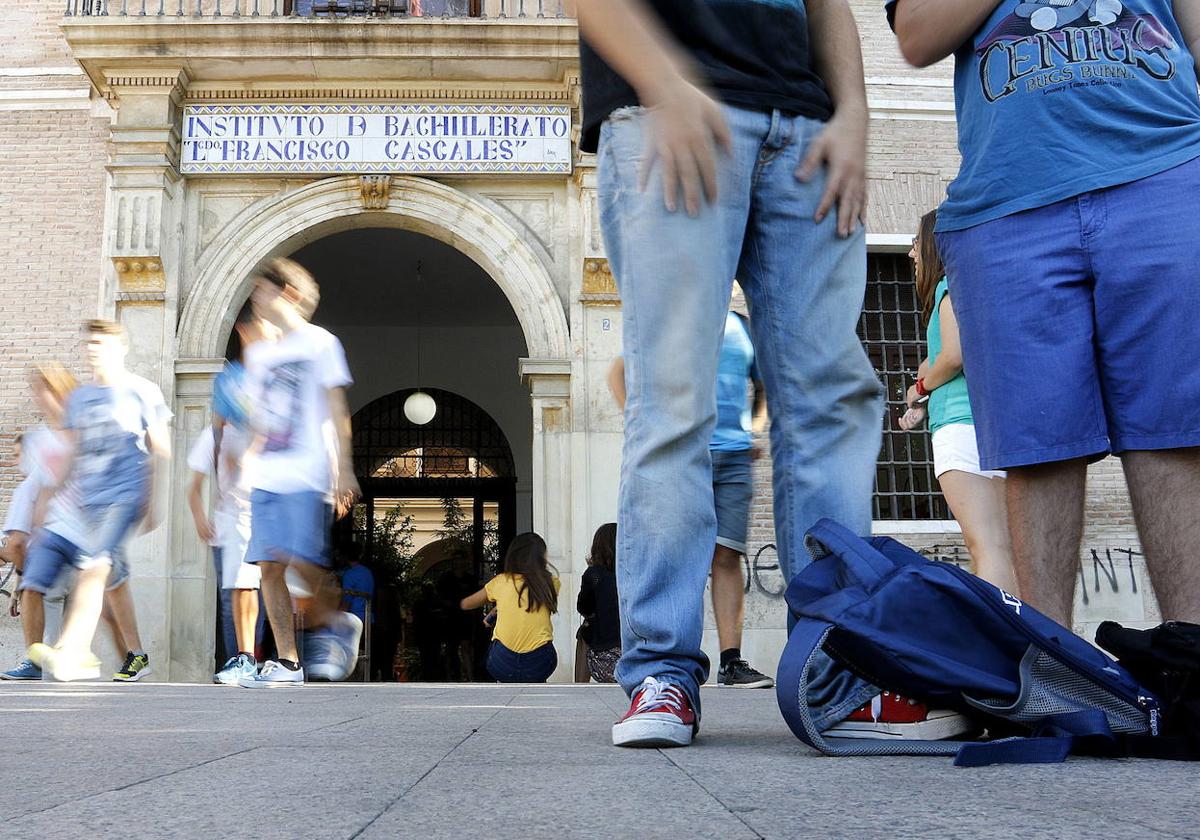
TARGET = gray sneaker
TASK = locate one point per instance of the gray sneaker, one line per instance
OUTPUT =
(273, 675)
(739, 674)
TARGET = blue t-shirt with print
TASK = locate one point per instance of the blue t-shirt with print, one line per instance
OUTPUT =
(735, 370)
(1057, 98)
(112, 458)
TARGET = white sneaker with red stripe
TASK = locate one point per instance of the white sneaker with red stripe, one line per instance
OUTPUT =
(890, 715)
(660, 715)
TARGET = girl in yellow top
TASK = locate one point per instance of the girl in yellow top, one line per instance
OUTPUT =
(525, 595)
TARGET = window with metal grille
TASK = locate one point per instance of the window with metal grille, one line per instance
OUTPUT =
(894, 337)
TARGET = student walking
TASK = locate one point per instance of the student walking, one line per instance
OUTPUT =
(525, 595)
(41, 457)
(116, 427)
(598, 605)
(975, 495)
(754, 110)
(300, 473)
(1071, 244)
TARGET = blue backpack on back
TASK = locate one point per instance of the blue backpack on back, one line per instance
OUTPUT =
(874, 615)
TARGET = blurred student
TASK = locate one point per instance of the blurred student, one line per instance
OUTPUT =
(116, 427)
(300, 474)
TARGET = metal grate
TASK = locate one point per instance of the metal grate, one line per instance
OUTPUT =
(461, 442)
(894, 337)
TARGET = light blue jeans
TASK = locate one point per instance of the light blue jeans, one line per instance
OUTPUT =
(805, 289)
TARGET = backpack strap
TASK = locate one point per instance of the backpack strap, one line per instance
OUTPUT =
(1053, 742)
(861, 561)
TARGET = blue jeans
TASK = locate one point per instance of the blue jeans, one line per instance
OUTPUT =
(535, 666)
(805, 288)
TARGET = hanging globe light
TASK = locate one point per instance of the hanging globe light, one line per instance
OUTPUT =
(419, 408)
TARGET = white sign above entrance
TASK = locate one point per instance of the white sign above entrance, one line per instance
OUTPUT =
(425, 139)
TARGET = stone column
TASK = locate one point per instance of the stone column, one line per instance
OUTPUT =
(190, 576)
(143, 244)
(549, 382)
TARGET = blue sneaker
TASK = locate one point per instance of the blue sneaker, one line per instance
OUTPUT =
(273, 675)
(331, 652)
(237, 667)
(25, 670)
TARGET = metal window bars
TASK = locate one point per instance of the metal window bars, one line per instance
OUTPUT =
(894, 337)
(318, 9)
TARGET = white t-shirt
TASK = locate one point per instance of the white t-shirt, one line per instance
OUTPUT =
(24, 498)
(287, 381)
(64, 514)
(233, 497)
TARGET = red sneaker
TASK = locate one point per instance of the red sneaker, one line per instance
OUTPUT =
(891, 716)
(659, 716)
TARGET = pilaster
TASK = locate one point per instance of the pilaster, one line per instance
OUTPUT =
(549, 383)
(142, 265)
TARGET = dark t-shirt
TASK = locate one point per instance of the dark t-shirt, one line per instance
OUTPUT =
(598, 603)
(753, 54)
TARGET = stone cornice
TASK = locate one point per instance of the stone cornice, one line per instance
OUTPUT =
(406, 93)
(317, 54)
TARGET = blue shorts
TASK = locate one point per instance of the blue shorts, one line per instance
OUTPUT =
(289, 526)
(1079, 323)
(112, 526)
(733, 491)
(49, 556)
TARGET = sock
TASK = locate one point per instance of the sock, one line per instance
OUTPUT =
(249, 656)
(729, 655)
(289, 664)
(139, 652)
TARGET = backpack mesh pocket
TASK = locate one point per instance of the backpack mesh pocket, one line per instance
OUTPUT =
(1048, 687)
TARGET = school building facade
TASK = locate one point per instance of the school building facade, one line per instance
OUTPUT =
(421, 156)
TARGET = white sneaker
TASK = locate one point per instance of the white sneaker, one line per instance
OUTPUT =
(273, 675)
(332, 652)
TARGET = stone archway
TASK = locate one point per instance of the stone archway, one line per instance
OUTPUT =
(280, 223)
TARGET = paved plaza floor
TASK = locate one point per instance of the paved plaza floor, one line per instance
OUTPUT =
(493, 762)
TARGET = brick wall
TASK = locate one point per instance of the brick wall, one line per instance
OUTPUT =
(29, 36)
(51, 210)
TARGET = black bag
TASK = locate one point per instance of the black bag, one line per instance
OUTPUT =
(1165, 659)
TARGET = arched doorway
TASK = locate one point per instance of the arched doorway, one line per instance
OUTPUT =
(289, 222)
(438, 509)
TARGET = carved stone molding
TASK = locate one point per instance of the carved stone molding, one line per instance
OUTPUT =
(599, 287)
(406, 94)
(118, 81)
(376, 191)
(136, 275)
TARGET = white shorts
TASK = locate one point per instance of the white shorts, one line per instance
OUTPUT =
(236, 573)
(954, 448)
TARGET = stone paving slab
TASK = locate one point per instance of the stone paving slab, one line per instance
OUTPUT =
(488, 761)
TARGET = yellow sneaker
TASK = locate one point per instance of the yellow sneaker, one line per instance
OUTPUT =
(38, 653)
(64, 666)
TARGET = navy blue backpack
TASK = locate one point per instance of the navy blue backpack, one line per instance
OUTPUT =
(874, 615)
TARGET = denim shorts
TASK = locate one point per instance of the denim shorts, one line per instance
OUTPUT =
(508, 666)
(113, 526)
(289, 526)
(50, 556)
(1079, 323)
(733, 491)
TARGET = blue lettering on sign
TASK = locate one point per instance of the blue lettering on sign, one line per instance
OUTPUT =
(426, 138)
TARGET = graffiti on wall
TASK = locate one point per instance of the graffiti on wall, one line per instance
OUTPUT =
(1107, 570)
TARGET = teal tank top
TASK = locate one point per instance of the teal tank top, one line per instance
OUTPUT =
(949, 403)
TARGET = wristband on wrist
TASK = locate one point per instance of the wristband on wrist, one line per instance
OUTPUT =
(922, 391)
